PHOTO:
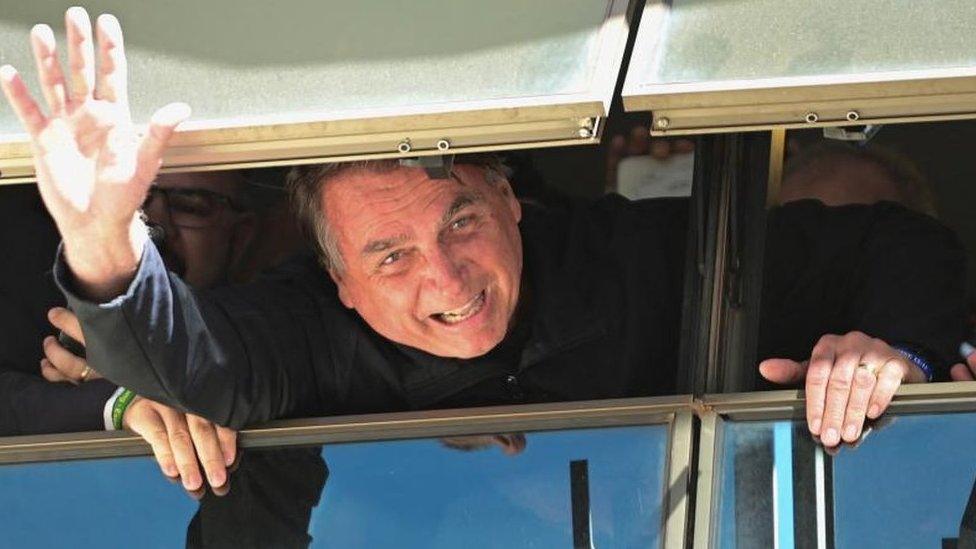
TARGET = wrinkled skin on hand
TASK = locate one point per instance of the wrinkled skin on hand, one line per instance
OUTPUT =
(93, 165)
(60, 364)
(183, 444)
(848, 379)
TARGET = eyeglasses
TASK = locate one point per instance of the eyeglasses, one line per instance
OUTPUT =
(191, 208)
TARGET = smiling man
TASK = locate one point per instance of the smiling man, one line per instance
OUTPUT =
(439, 292)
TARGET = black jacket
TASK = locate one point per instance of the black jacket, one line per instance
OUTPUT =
(603, 282)
(605, 286)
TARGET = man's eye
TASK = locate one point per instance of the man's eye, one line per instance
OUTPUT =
(462, 222)
(392, 258)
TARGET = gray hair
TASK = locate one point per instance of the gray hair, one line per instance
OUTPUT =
(306, 183)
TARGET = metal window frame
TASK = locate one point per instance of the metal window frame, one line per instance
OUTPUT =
(429, 129)
(716, 410)
(790, 102)
(673, 411)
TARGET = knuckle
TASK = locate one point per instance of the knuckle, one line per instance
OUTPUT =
(839, 384)
(180, 436)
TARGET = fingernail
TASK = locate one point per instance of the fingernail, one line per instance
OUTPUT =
(815, 426)
(216, 478)
(7, 72)
(966, 349)
(192, 482)
(850, 432)
(831, 437)
(874, 411)
(229, 460)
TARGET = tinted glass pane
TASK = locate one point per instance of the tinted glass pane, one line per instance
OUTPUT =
(232, 59)
(515, 491)
(706, 40)
(906, 484)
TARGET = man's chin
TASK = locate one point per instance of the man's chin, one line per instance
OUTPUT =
(465, 348)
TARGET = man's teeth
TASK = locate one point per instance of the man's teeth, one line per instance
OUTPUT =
(463, 313)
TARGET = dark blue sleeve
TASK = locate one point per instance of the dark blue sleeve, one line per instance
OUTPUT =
(31, 405)
(235, 356)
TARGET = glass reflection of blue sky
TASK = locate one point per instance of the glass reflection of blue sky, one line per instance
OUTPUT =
(419, 494)
(382, 494)
(906, 485)
(123, 502)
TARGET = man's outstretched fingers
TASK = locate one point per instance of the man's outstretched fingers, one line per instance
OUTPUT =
(112, 67)
(182, 444)
(70, 365)
(81, 54)
(838, 395)
(889, 379)
(857, 405)
(49, 74)
(208, 450)
(66, 321)
(144, 420)
(228, 444)
(21, 102)
(161, 127)
(52, 374)
(818, 374)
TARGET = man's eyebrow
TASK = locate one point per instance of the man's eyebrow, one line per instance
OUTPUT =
(461, 202)
(376, 246)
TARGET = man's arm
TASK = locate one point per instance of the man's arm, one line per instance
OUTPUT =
(235, 355)
(904, 317)
(93, 167)
(30, 405)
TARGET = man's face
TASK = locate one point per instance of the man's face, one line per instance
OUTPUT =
(433, 264)
(203, 233)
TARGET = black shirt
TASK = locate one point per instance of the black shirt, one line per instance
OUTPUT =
(602, 321)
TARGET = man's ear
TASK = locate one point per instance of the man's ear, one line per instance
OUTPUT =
(344, 295)
(241, 239)
(509, 195)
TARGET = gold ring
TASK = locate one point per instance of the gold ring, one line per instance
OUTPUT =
(871, 368)
(85, 373)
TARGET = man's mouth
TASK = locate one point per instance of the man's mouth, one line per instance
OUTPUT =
(463, 312)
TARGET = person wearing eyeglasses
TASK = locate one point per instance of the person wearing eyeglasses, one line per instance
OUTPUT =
(429, 292)
(202, 226)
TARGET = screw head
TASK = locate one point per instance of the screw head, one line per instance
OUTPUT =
(404, 146)
(811, 117)
(443, 145)
(853, 116)
(662, 123)
(585, 133)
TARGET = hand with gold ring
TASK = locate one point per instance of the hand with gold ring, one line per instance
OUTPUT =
(60, 364)
(849, 378)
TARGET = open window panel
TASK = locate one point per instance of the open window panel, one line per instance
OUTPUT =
(350, 80)
(593, 474)
(908, 482)
(839, 230)
(736, 65)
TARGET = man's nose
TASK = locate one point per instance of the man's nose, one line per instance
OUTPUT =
(445, 274)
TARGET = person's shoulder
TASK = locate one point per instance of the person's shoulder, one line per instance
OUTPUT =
(299, 285)
(881, 221)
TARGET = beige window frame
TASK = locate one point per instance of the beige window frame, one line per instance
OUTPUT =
(673, 411)
(428, 129)
(789, 102)
(717, 409)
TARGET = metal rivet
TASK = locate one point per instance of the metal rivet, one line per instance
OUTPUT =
(663, 123)
(404, 146)
(585, 133)
(811, 117)
(853, 116)
(443, 145)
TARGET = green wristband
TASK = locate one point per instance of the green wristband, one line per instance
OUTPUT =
(118, 409)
